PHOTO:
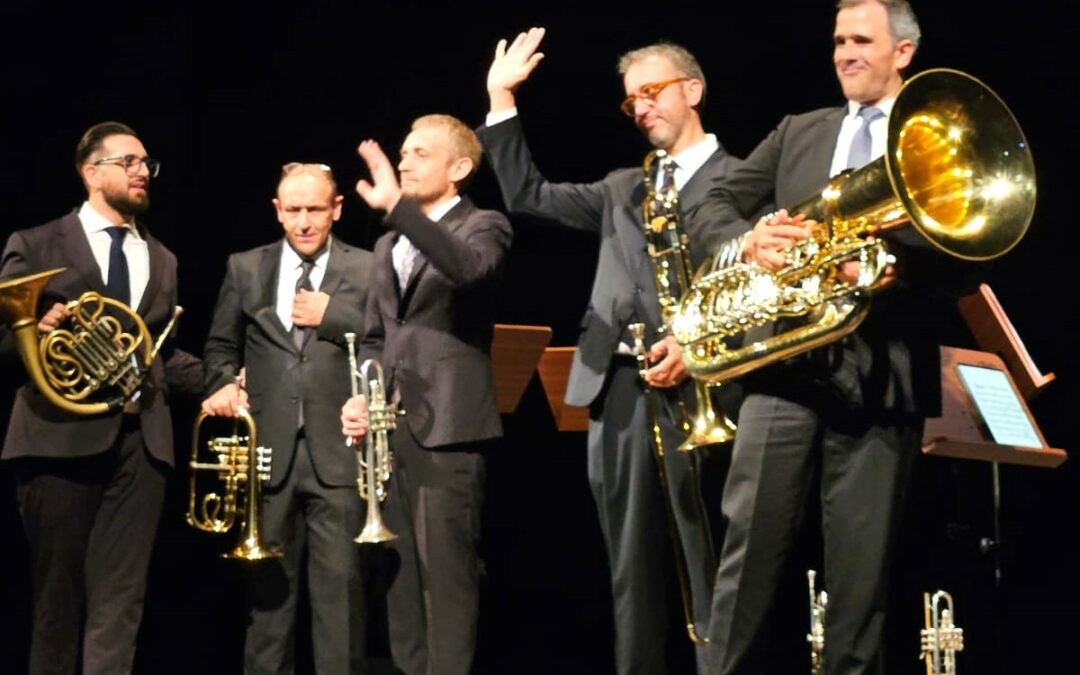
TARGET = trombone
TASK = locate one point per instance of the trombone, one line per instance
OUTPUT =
(373, 462)
(241, 466)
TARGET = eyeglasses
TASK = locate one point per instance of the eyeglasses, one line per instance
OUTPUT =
(648, 92)
(133, 163)
(302, 167)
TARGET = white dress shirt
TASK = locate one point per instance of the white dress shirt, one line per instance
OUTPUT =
(289, 271)
(879, 129)
(138, 255)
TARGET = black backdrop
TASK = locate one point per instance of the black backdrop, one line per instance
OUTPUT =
(225, 95)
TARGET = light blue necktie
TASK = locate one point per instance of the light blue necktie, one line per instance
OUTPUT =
(862, 143)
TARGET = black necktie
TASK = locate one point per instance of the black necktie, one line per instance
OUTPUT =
(118, 285)
(300, 333)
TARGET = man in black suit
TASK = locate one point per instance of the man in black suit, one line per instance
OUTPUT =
(429, 321)
(90, 488)
(855, 407)
(282, 314)
(665, 90)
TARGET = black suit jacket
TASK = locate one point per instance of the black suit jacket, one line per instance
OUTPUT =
(891, 363)
(624, 287)
(433, 338)
(246, 331)
(37, 427)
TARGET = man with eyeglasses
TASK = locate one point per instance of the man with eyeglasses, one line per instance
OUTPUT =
(282, 315)
(665, 92)
(90, 488)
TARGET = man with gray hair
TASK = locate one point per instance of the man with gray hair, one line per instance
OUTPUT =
(665, 92)
(851, 412)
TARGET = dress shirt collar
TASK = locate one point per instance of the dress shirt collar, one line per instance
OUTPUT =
(692, 158)
(442, 209)
(884, 105)
(92, 221)
(291, 260)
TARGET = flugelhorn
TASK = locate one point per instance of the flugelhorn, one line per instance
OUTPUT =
(956, 167)
(93, 368)
(241, 466)
(374, 461)
(816, 636)
(941, 639)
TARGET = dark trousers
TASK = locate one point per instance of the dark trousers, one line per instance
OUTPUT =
(302, 517)
(433, 601)
(90, 523)
(864, 469)
(625, 483)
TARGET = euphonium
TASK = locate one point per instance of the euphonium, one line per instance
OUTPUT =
(956, 166)
(241, 467)
(940, 639)
(93, 368)
(374, 461)
(816, 636)
(672, 267)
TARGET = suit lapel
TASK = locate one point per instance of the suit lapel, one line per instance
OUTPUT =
(698, 186)
(824, 143)
(263, 291)
(76, 250)
(156, 253)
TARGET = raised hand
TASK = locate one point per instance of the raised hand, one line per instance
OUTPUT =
(512, 65)
(383, 192)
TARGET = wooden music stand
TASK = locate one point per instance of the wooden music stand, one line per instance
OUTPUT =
(554, 373)
(515, 351)
(961, 431)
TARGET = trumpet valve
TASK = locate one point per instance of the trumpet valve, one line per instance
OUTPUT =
(263, 459)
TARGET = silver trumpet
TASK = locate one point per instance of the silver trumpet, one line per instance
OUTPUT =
(941, 638)
(816, 636)
(374, 461)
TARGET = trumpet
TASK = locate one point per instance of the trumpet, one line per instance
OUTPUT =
(941, 638)
(816, 636)
(241, 466)
(373, 462)
(94, 367)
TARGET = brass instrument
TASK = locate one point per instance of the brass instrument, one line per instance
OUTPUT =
(816, 636)
(374, 462)
(941, 638)
(93, 368)
(652, 404)
(241, 466)
(957, 167)
(669, 253)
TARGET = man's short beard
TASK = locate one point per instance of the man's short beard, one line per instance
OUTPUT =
(127, 206)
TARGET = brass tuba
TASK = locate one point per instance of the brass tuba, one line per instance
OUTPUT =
(93, 368)
(375, 461)
(941, 639)
(956, 166)
(672, 267)
(241, 467)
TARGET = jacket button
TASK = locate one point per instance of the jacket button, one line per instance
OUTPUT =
(400, 322)
(294, 399)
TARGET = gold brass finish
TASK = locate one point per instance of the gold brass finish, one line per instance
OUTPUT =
(241, 466)
(93, 368)
(672, 269)
(374, 462)
(816, 636)
(956, 167)
(940, 639)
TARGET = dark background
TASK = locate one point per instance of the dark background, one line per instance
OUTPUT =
(225, 95)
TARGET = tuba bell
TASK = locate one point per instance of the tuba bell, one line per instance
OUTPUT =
(956, 167)
(94, 367)
(241, 467)
(374, 461)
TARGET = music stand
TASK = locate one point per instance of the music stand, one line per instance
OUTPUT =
(554, 373)
(515, 351)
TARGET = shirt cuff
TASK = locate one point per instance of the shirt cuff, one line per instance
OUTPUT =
(494, 118)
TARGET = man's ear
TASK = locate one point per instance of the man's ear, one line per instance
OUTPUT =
(460, 169)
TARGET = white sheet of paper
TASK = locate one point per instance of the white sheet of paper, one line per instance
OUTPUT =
(1001, 410)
